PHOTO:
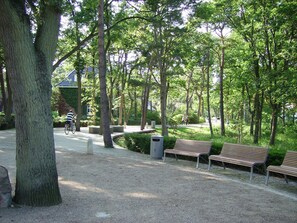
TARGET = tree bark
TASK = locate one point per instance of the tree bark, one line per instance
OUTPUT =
(146, 93)
(257, 104)
(274, 118)
(222, 116)
(29, 65)
(104, 104)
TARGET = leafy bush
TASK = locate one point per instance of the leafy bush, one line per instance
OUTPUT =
(141, 142)
(153, 116)
(134, 122)
(138, 142)
(177, 118)
(6, 124)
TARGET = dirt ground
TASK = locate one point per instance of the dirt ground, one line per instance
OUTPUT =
(116, 185)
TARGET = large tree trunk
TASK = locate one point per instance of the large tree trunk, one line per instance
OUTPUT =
(104, 104)
(30, 66)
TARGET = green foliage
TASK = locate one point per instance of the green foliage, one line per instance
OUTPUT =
(70, 95)
(141, 142)
(153, 116)
(6, 124)
(138, 142)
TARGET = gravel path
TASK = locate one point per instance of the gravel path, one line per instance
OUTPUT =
(116, 185)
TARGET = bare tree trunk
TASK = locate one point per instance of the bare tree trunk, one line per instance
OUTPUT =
(2, 85)
(104, 103)
(146, 93)
(6, 93)
(79, 110)
(222, 116)
(273, 126)
(257, 104)
(29, 63)
(93, 99)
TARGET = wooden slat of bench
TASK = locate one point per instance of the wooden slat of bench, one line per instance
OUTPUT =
(192, 145)
(233, 161)
(242, 155)
(191, 148)
(244, 152)
(287, 168)
(290, 159)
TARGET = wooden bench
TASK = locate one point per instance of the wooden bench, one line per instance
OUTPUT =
(242, 155)
(288, 167)
(191, 148)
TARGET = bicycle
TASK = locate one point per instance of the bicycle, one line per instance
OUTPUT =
(69, 128)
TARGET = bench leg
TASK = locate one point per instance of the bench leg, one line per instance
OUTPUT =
(209, 164)
(164, 157)
(265, 168)
(197, 165)
(251, 174)
(267, 177)
(286, 179)
(175, 157)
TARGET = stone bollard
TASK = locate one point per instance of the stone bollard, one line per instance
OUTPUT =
(5, 188)
(153, 124)
(90, 146)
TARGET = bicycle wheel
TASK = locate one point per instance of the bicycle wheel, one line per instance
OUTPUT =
(73, 129)
(66, 129)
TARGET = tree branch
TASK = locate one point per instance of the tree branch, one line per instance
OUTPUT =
(89, 37)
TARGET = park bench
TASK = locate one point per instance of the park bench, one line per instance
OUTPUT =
(192, 148)
(287, 168)
(242, 155)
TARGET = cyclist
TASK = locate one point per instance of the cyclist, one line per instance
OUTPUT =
(69, 119)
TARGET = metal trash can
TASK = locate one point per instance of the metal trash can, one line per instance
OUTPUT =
(156, 150)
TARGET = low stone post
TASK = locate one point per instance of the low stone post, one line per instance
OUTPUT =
(90, 146)
(153, 124)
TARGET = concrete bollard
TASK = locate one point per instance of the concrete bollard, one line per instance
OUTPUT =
(90, 146)
(153, 124)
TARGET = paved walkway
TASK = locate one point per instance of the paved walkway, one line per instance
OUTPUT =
(117, 185)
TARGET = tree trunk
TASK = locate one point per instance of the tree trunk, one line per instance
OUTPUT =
(208, 91)
(273, 127)
(145, 101)
(163, 98)
(30, 66)
(222, 92)
(257, 104)
(2, 85)
(104, 103)
(79, 110)
(6, 94)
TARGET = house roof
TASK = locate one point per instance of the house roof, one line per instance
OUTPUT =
(71, 79)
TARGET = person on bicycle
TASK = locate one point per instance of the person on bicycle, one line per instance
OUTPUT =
(69, 118)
